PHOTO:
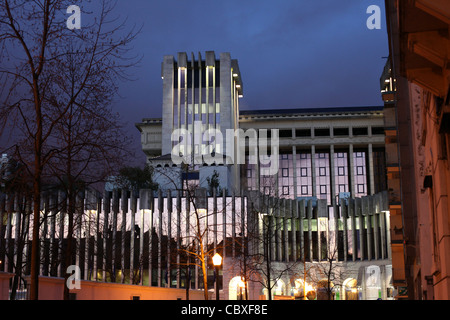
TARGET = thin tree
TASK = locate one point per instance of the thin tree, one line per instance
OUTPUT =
(37, 48)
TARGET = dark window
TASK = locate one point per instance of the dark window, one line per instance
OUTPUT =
(377, 130)
(303, 133)
(322, 132)
(340, 131)
(285, 191)
(285, 134)
(360, 131)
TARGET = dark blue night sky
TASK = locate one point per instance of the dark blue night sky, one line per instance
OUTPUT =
(292, 54)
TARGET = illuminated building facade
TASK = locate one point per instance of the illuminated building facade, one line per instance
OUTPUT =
(415, 88)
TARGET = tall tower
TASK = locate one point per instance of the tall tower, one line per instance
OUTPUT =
(199, 95)
(200, 103)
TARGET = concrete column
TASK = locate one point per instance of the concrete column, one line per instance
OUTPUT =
(383, 230)
(368, 216)
(115, 212)
(294, 218)
(133, 209)
(106, 210)
(224, 223)
(168, 74)
(124, 209)
(313, 169)
(371, 171)
(169, 237)
(360, 217)
(9, 209)
(309, 215)
(351, 170)
(160, 233)
(287, 214)
(344, 215)
(352, 207)
(54, 213)
(179, 237)
(376, 225)
(294, 162)
(301, 217)
(233, 224)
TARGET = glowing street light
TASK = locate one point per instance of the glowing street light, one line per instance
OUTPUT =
(217, 261)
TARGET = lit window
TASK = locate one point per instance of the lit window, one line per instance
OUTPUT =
(323, 189)
(360, 170)
(304, 190)
(322, 171)
(341, 171)
(304, 172)
(285, 172)
(361, 188)
(285, 191)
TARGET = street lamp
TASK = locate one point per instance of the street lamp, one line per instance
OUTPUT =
(217, 261)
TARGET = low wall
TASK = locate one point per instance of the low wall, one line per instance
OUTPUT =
(53, 289)
(4, 285)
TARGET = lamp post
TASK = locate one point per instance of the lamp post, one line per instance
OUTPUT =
(217, 261)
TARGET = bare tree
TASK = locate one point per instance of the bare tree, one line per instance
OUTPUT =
(265, 262)
(327, 273)
(50, 72)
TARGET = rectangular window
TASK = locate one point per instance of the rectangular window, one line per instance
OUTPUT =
(341, 171)
(342, 188)
(360, 170)
(284, 156)
(304, 190)
(285, 190)
(323, 189)
(303, 156)
(285, 172)
(360, 188)
(322, 171)
(304, 172)
(249, 173)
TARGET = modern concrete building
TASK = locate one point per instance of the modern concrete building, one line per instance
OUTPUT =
(415, 88)
(317, 226)
(325, 156)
